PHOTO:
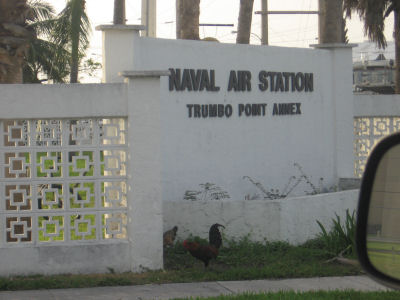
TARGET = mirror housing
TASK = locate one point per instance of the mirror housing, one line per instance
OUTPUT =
(377, 161)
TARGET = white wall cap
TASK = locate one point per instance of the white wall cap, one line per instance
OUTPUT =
(120, 27)
(333, 46)
(138, 74)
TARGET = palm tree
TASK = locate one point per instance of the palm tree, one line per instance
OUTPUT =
(45, 58)
(244, 23)
(331, 24)
(374, 13)
(15, 36)
(72, 30)
(119, 12)
(187, 19)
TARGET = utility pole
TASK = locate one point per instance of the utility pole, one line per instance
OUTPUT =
(149, 17)
(264, 22)
(264, 17)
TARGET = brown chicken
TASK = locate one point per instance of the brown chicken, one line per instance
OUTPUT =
(169, 237)
(206, 252)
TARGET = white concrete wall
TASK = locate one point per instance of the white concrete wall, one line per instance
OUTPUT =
(144, 173)
(376, 105)
(138, 101)
(224, 150)
(66, 259)
(292, 220)
(61, 100)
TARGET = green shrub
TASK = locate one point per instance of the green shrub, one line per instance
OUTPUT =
(341, 238)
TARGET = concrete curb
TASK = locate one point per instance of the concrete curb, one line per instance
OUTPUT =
(200, 289)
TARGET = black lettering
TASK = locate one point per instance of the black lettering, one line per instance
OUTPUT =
(212, 78)
(292, 108)
(213, 110)
(244, 80)
(293, 77)
(247, 109)
(263, 106)
(186, 80)
(175, 79)
(196, 110)
(233, 82)
(299, 82)
(221, 110)
(255, 110)
(240, 109)
(275, 110)
(309, 82)
(262, 77)
(287, 76)
(240, 81)
(271, 80)
(286, 109)
(279, 83)
(228, 110)
(205, 81)
(190, 107)
(204, 111)
(283, 108)
(195, 76)
(298, 110)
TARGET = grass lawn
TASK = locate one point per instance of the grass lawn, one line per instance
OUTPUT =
(333, 295)
(240, 260)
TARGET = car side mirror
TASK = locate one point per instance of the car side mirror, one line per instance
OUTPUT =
(378, 213)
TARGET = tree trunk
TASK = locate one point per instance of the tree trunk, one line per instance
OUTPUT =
(397, 50)
(14, 39)
(244, 23)
(187, 19)
(119, 12)
(78, 7)
(179, 16)
(330, 21)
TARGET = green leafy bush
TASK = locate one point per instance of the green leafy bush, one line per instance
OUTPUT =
(340, 239)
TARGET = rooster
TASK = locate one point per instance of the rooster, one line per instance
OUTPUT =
(169, 237)
(206, 252)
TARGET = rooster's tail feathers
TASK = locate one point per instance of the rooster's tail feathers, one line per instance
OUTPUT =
(215, 237)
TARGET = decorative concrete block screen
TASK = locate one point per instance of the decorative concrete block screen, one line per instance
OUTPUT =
(368, 131)
(63, 181)
(375, 116)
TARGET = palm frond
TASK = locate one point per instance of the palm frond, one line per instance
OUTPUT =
(72, 26)
(373, 13)
(50, 59)
(41, 10)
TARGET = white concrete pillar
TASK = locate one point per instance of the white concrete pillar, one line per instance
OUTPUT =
(118, 41)
(343, 115)
(145, 222)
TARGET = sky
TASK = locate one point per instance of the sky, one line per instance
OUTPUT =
(284, 30)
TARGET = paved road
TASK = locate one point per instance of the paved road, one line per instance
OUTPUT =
(199, 289)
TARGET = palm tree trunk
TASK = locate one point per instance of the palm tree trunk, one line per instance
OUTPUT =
(14, 39)
(188, 19)
(119, 12)
(397, 50)
(179, 17)
(77, 7)
(244, 23)
(330, 21)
